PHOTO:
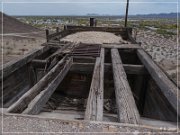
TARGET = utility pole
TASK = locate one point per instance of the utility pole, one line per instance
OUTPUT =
(126, 17)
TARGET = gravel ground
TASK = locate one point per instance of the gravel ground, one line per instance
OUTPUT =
(24, 124)
(93, 37)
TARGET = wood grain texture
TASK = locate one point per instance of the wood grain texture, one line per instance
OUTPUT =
(127, 110)
(12, 66)
(22, 103)
(167, 87)
(121, 46)
(88, 68)
(156, 106)
(14, 86)
(41, 99)
(94, 108)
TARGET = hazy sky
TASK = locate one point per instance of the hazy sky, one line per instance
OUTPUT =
(83, 7)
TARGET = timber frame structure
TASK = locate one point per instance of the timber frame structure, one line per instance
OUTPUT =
(145, 97)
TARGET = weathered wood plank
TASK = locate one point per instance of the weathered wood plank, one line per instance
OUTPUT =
(12, 66)
(38, 63)
(134, 69)
(40, 100)
(100, 94)
(15, 85)
(121, 46)
(127, 110)
(59, 35)
(88, 68)
(158, 123)
(94, 108)
(105, 29)
(80, 59)
(155, 106)
(22, 103)
(168, 88)
(91, 106)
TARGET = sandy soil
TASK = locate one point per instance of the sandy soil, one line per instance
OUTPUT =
(94, 38)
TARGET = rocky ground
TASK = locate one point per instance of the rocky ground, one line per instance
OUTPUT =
(15, 124)
(163, 49)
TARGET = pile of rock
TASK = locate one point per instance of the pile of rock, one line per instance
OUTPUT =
(93, 37)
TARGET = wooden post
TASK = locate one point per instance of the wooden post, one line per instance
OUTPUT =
(94, 108)
(57, 29)
(167, 87)
(40, 100)
(92, 22)
(126, 17)
(127, 110)
(47, 34)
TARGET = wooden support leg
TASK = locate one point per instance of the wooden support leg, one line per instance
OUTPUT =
(22, 103)
(94, 108)
(137, 89)
(32, 75)
(40, 100)
(140, 88)
(127, 110)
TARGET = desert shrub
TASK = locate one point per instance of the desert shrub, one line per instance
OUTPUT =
(164, 32)
(158, 49)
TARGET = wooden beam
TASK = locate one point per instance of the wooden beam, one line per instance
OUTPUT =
(79, 59)
(158, 123)
(100, 94)
(167, 87)
(127, 110)
(12, 66)
(22, 103)
(121, 46)
(88, 68)
(47, 34)
(94, 108)
(38, 63)
(134, 69)
(40, 100)
(88, 28)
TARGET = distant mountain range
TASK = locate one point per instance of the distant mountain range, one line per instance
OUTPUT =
(161, 15)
